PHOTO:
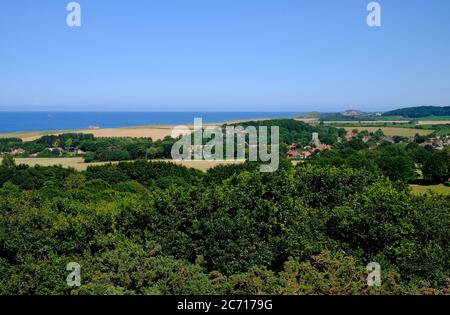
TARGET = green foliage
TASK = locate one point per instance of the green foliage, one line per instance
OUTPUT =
(394, 161)
(159, 228)
(436, 167)
(293, 131)
(8, 162)
(420, 111)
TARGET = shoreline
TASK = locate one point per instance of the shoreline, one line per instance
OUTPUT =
(156, 132)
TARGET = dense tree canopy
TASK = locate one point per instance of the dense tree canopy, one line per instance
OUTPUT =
(420, 111)
(159, 228)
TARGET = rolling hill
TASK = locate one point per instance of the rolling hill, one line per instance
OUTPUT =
(421, 111)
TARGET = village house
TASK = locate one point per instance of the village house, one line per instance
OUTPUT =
(349, 135)
(426, 144)
(388, 139)
(446, 141)
(293, 154)
(18, 151)
(58, 150)
(436, 143)
(323, 147)
(308, 150)
(305, 154)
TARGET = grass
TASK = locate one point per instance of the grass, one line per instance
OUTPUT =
(432, 118)
(78, 163)
(443, 132)
(439, 189)
(395, 131)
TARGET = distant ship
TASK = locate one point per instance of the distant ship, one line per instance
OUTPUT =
(93, 127)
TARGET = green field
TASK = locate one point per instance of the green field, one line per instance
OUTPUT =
(394, 131)
(432, 118)
(439, 189)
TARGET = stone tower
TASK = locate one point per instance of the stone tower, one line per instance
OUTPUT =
(315, 139)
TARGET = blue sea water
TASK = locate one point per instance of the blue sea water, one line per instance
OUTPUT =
(43, 121)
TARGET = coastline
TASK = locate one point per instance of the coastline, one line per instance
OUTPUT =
(156, 132)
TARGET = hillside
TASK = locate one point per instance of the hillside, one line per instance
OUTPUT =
(353, 113)
(421, 111)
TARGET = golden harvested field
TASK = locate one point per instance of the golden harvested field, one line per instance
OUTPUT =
(393, 131)
(308, 120)
(78, 164)
(367, 122)
(433, 122)
(439, 189)
(156, 133)
(205, 165)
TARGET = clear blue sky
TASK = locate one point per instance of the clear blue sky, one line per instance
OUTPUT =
(224, 55)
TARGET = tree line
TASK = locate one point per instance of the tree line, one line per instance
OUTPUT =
(159, 228)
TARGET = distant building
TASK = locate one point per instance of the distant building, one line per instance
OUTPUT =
(18, 151)
(353, 113)
(293, 154)
(349, 135)
(388, 139)
(323, 147)
(302, 155)
(315, 139)
(58, 150)
(305, 155)
(436, 143)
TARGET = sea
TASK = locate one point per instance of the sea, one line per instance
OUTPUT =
(50, 121)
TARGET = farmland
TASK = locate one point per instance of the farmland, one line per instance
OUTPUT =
(78, 163)
(395, 131)
(438, 189)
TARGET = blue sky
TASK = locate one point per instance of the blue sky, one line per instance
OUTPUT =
(224, 55)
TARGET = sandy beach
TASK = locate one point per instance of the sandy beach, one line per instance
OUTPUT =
(156, 132)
